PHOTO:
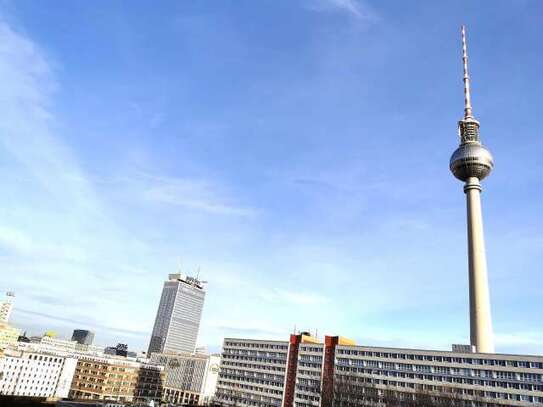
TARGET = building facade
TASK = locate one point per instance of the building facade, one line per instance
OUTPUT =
(5, 307)
(35, 374)
(8, 335)
(252, 372)
(116, 379)
(303, 373)
(189, 378)
(178, 316)
(149, 384)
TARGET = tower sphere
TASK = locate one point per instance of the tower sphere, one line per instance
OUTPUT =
(471, 160)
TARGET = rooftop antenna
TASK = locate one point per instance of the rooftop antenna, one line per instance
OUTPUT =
(468, 112)
(179, 267)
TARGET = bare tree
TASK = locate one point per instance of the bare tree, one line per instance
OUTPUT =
(351, 391)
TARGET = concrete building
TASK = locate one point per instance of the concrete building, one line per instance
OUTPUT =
(6, 306)
(149, 384)
(116, 379)
(304, 373)
(35, 374)
(8, 335)
(58, 345)
(178, 316)
(83, 336)
(189, 378)
(470, 163)
(252, 372)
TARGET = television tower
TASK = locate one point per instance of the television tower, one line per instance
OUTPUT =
(470, 163)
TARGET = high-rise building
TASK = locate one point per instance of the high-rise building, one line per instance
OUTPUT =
(470, 163)
(6, 307)
(83, 336)
(178, 316)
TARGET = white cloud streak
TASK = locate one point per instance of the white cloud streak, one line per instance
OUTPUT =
(351, 7)
(193, 194)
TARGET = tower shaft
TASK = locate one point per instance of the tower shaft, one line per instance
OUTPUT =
(479, 298)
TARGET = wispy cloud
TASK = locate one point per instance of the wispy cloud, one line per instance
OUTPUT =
(27, 121)
(196, 194)
(21, 244)
(81, 321)
(354, 8)
(292, 297)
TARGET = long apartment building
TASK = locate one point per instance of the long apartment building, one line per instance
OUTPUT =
(190, 378)
(305, 373)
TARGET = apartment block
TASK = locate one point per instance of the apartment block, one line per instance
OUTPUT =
(116, 379)
(305, 373)
(252, 372)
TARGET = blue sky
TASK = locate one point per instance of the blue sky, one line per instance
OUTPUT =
(296, 151)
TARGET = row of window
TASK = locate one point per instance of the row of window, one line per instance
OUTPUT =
(243, 379)
(256, 345)
(532, 364)
(446, 379)
(237, 387)
(259, 366)
(443, 370)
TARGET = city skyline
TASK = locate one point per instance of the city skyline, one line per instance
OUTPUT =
(291, 167)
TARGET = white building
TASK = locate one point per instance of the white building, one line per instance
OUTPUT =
(178, 316)
(8, 335)
(35, 374)
(50, 344)
(190, 378)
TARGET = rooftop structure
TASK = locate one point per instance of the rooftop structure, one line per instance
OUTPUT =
(83, 336)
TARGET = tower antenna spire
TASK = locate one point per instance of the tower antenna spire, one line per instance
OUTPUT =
(468, 112)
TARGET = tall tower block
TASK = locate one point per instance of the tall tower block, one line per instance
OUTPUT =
(178, 316)
(470, 163)
(6, 306)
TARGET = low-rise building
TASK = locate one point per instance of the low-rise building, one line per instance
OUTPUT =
(104, 378)
(8, 335)
(116, 379)
(190, 378)
(149, 384)
(35, 374)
